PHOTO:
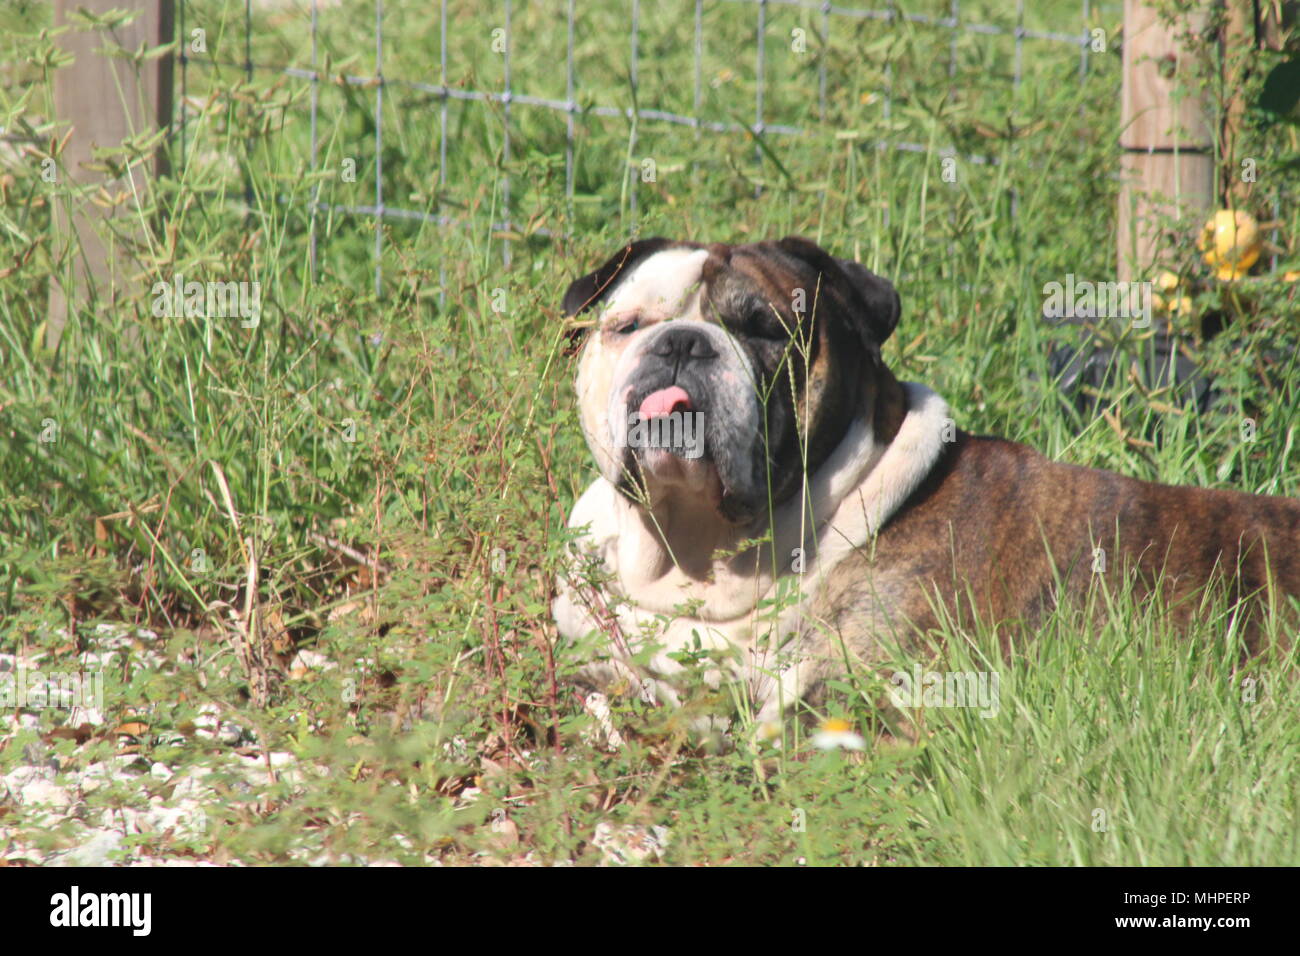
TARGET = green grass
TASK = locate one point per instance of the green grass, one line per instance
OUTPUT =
(419, 558)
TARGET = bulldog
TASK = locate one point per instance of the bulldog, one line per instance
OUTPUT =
(774, 502)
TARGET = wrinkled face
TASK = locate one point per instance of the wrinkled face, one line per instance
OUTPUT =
(719, 373)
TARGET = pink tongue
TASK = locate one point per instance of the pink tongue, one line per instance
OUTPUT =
(665, 402)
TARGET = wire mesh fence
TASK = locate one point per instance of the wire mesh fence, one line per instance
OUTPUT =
(578, 110)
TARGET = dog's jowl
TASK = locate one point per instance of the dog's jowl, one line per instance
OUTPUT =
(734, 394)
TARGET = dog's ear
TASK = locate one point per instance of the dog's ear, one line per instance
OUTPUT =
(883, 306)
(584, 293)
(872, 300)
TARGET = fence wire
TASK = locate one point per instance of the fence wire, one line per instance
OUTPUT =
(508, 97)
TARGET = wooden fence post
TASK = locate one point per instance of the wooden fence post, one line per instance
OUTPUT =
(1167, 142)
(103, 100)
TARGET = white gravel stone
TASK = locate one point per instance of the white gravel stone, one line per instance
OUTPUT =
(19, 722)
(306, 661)
(192, 785)
(45, 793)
(17, 779)
(96, 775)
(287, 769)
(209, 724)
(186, 819)
(624, 844)
(93, 851)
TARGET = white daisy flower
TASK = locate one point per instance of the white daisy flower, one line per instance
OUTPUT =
(838, 734)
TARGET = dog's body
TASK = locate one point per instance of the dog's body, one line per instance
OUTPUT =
(901, 517)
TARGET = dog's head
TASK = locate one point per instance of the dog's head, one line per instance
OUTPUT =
(724, 372)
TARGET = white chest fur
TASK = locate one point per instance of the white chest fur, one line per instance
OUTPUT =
(730, 609)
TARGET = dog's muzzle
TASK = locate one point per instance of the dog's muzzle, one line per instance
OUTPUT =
(683, 410)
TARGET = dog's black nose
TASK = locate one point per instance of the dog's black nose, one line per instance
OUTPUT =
(679, 345)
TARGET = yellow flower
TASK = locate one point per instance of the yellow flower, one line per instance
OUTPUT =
(1231, 243)
(1177, 305)
(1167, 281)
(1231, 273)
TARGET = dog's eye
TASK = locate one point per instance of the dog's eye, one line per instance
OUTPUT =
(764, 322)
(627, 327)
